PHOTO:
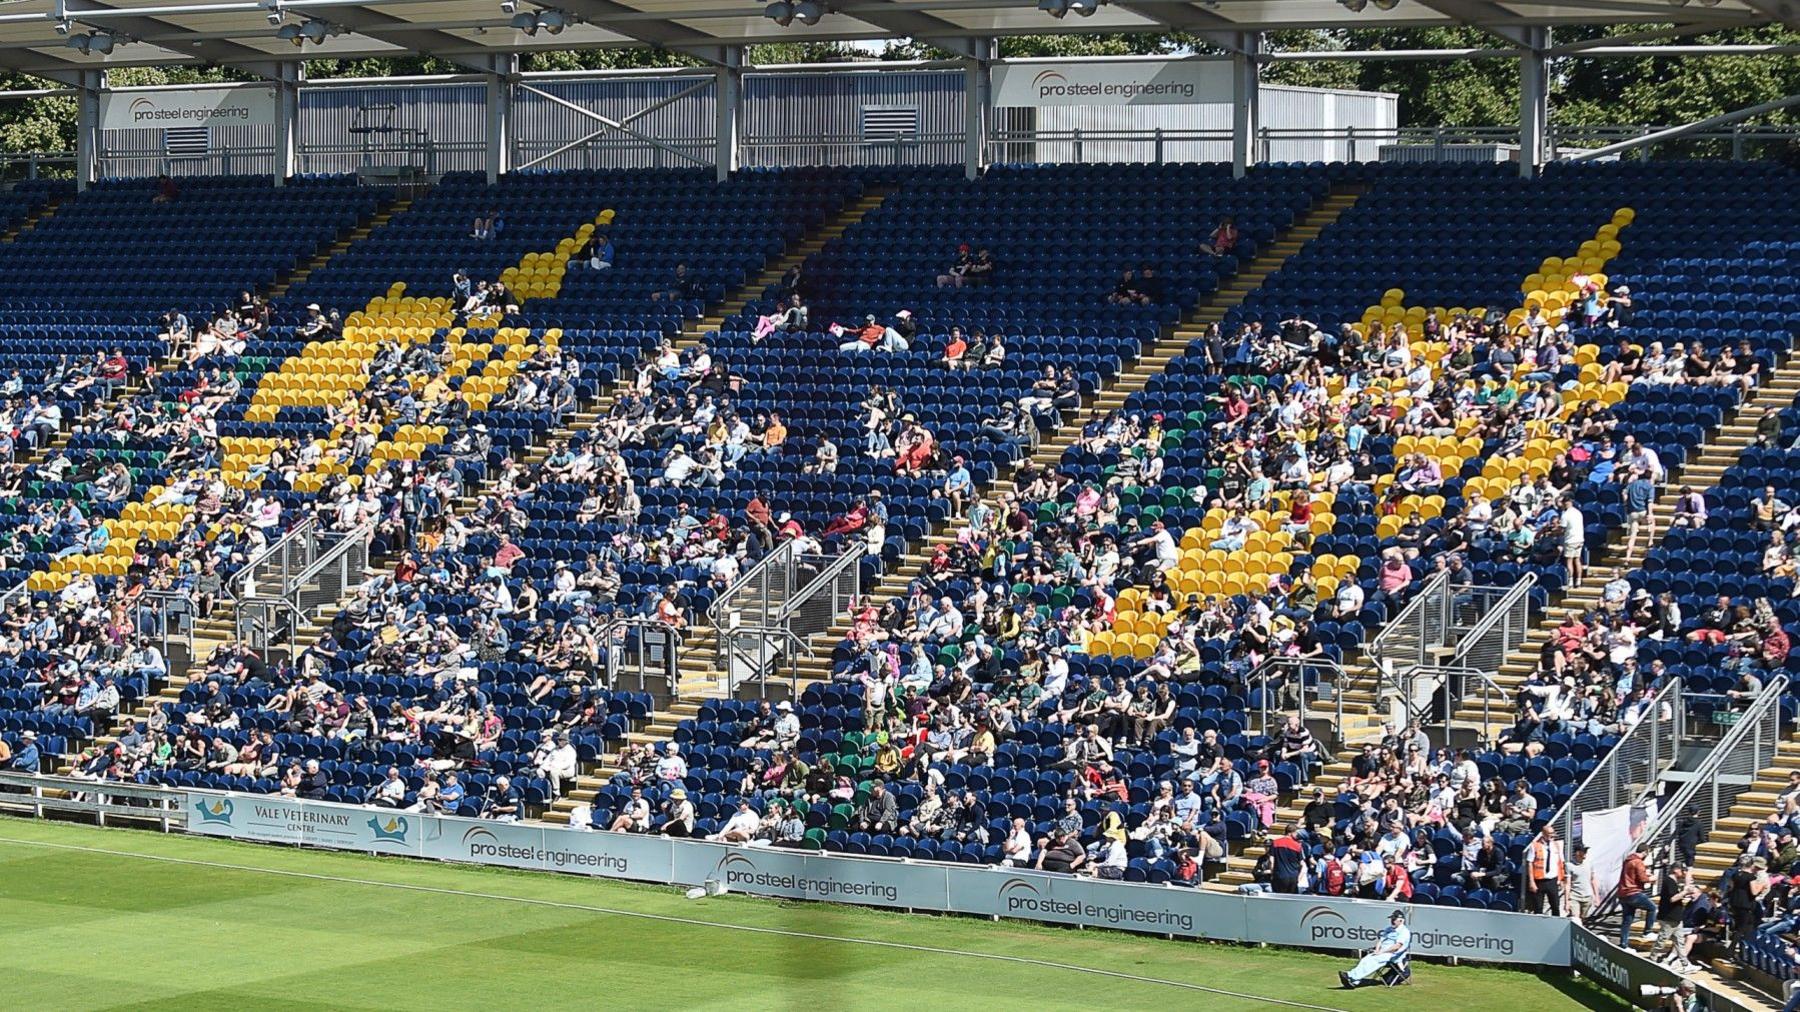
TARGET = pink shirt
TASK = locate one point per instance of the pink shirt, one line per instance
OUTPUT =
(1395, 575)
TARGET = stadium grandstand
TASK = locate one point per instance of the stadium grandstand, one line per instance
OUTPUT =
(1113, 491)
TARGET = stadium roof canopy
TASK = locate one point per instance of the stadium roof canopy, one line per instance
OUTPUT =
(480, 34)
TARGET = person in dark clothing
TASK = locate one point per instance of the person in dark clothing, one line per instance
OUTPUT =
(1319, 812)
(1742, 892)
(1150, 285)
(315, 784)
(1688, 834)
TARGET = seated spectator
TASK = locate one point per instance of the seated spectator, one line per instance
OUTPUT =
(789, 317)
(1224, 239)
(954, 275)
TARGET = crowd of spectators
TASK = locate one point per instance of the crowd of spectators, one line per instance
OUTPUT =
(950, 670)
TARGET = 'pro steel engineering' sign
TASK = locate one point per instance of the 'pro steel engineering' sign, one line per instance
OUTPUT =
(1118, 82)
(250, 105)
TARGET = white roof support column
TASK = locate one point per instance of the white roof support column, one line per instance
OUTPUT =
(728, 107)
(87, 127)
(1534, 102)
(500, 87)
(1246, 102)
(978, 104)
(287, 122)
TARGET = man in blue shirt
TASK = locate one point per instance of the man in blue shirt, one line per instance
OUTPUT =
(1391, 949)
(1190, 808)
(1640, 510)
(26, 759)
(958, 485)
(451, 794)
(504, 802)
(599, 252)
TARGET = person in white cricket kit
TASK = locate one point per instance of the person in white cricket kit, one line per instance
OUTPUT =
(1390, 950)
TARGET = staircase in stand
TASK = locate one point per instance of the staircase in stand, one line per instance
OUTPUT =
(698, 674)
(697, 665)
(356, 234)
(32, 220)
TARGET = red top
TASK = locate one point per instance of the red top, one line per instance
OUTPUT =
(1633, 877)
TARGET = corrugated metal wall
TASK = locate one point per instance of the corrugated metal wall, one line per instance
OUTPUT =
(1317, 110)
(1202, 133)
(685, 124)
(440, 126)
(236, 150)
(789, 119)
(816, 119)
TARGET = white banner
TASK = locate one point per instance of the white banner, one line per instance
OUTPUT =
(251, 105)
(287, 820)
(1610, 834)
(1313, 922)
(1122, 82)
(1437, 931)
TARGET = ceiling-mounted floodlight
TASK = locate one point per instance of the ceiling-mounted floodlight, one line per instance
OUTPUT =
(97, 43)
(547, 20)
(1054, 8)
(1354, 6)
(1387, 5)
(786, 12)
(508, 6)
(1085, 8)
(312, 30)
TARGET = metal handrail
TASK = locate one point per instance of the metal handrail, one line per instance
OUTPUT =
(781, 554)
(849, 557)
(338, 549)
(246, 576)
(617, 633)
(1428, 595)
(1607, 773)
(252, 612)
(763, 661)
(1452, 694)
(1711, 775)
(784, 630)
(1259, 679)
(6, 599)
(159, 603)
(1498, 614)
